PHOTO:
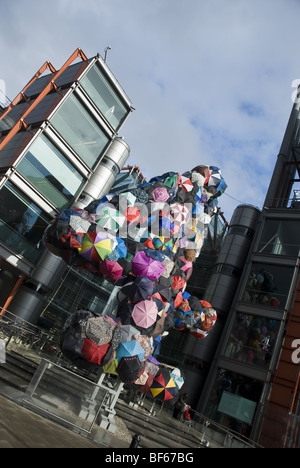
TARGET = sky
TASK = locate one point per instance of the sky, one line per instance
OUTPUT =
(211, 81)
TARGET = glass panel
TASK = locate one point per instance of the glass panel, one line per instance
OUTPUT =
(280, 237)
(80, 130)
(268, 285)
(252, 339)
(22, 223)
(233, 401)
(101, 92)
(51, 173)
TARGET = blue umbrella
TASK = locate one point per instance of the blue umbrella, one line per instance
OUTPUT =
(130, 348)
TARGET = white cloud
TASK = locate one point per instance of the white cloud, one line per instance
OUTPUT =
(211, 81)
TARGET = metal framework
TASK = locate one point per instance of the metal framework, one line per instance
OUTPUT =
(22, 122)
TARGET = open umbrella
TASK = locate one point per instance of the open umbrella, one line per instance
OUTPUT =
(186, 184)
(139, 289)
(163, 386)
(145, 313)
(111, 269)
(160, 194)
(130, 348)
(100, 330)
(108, 217)
(95, 246)
(129, 369)
(177, 377)
(142, 265)
(71, 239)
(94, 353)
(79, 224)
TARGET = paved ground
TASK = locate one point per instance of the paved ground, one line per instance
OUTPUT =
(22, 428)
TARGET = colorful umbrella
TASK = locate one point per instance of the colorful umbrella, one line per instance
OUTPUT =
(111, 269)
(145, 313)
(186, 184)
(71, 239)
(163, 386)
(130, 348)
(108, 217)
(95, 246)
(177, 377)
(142, 265)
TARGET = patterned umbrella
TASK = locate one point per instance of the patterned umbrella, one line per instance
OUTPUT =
(95, 246)
(109, 218)
(129, 369)
(163, 386)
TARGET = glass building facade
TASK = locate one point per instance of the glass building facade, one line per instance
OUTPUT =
(68, 122)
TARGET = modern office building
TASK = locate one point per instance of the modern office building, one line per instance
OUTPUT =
(253, 383)
(59, 148)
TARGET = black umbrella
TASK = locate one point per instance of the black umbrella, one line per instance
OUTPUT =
(129, 369)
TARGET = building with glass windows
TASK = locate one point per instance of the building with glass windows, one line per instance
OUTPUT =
(253, 383)
(59, 147)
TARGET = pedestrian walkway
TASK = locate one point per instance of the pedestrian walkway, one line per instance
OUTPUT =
(22, 428)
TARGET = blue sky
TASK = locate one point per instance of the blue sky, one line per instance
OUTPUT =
(211, 81)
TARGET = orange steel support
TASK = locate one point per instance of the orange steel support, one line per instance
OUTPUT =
(21, 95)
(12, 294)
(78, 53)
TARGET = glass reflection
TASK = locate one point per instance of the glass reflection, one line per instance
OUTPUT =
(252, 339)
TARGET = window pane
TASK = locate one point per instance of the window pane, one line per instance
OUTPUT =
(268, 285)
(252, 339)
(246, 395)
(101, 92)
(280, 237)
(22, 223)
(51, 173)
(80, 130)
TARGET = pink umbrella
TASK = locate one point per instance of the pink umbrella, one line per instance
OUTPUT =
(145, 313)
(160, 194)
(142, 265)
(111, 269)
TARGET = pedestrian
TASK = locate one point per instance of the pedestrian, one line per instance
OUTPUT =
(180, 406)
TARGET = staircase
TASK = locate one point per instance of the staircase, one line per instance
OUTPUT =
(156, 429)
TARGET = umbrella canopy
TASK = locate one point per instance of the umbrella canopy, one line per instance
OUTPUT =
(95, 246)
(177, 377)
(145, 313)
(100, 330)
(132, 214)
(129, 369)
(79, 224)
(142, 265)
(71, 239)
(163, 386)
(139, 289)
(94, 353)
(127, 332)
(130, 348)
(145, 343)
(108, 217)
(160, 194)
(186, 184)
(111, 269)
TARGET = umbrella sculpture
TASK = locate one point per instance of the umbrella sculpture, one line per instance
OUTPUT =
(145, 241)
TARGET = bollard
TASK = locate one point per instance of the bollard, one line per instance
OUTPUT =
(135, 441)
